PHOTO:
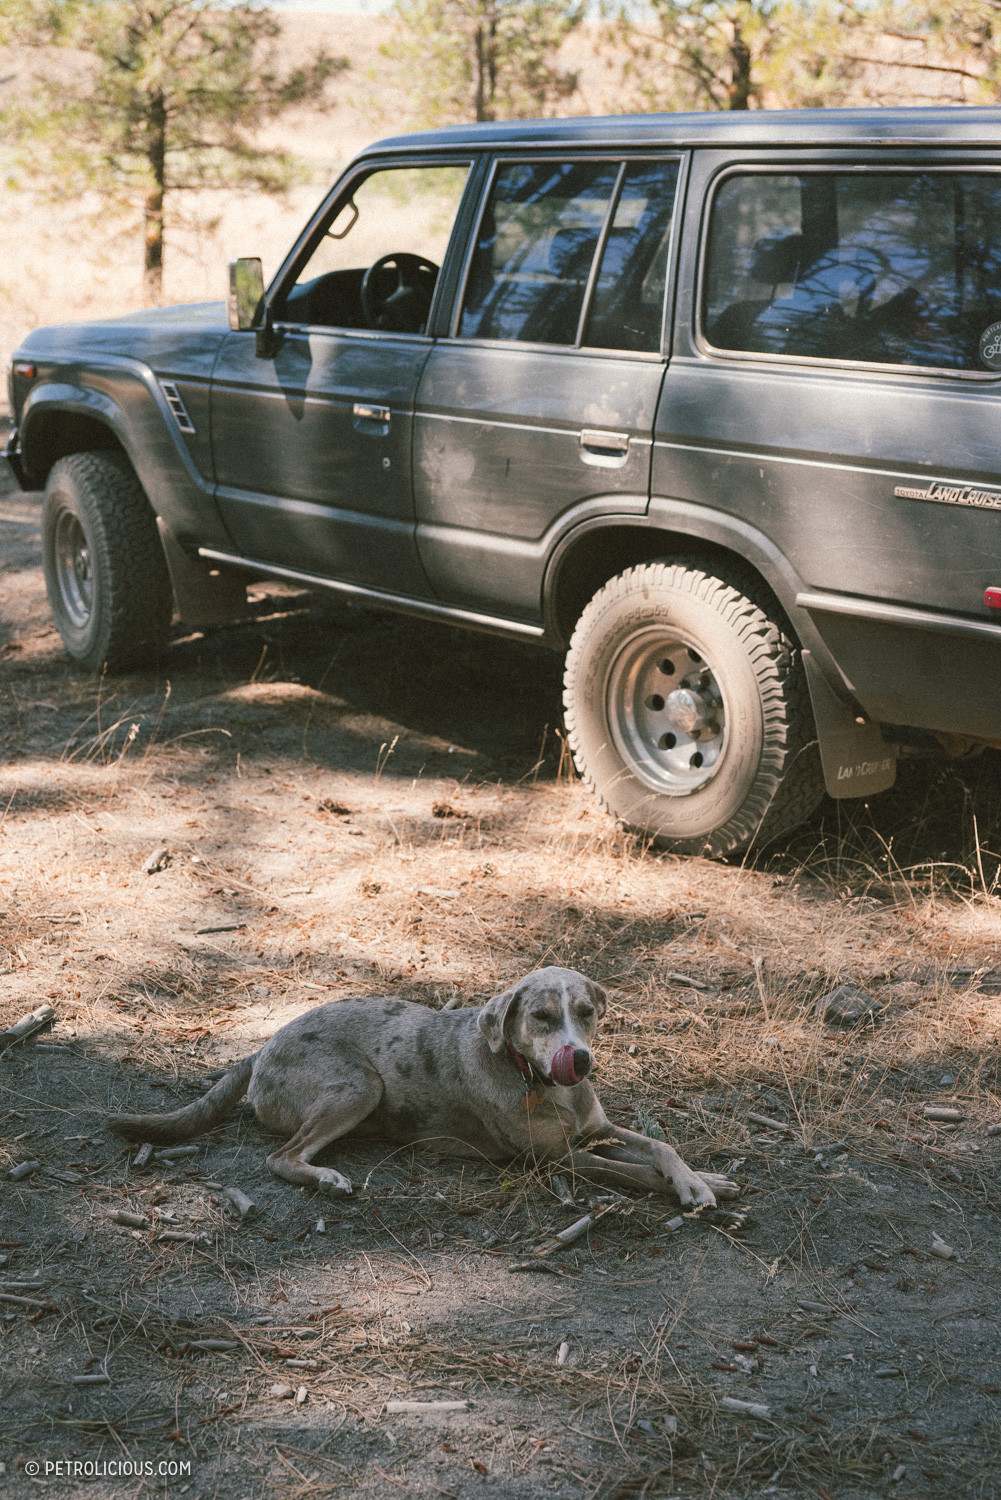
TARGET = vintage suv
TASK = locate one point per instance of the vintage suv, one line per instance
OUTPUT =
(711, 400)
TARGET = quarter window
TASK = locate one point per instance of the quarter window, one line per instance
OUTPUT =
(628, 305)
(532, 277)
(885, 267)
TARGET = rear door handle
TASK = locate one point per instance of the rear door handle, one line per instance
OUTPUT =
(607, 450)
(371, 418)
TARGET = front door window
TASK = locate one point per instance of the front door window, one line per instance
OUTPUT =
(376, 263)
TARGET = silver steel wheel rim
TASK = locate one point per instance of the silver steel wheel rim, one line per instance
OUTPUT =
(667, 712)
(74, 569)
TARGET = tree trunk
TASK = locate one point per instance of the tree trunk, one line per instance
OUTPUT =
(156, 155)
(486, 62)
(741, 85)
(481, 74)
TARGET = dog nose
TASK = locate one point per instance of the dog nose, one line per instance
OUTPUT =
(581, 1062)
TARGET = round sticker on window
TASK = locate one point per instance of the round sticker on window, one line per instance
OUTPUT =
(990, 347)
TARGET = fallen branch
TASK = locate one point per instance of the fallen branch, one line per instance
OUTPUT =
(36, 1020)
(247, 1208)
(423, 1408)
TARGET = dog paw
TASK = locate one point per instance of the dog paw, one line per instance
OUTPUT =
(692, 1190)
(721, 1186)
(333, 1183)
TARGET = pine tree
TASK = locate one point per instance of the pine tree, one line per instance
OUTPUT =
(485, 59)
(734, 54)
(165, 103)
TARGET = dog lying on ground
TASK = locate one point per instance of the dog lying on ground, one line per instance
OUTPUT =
(508, 1080)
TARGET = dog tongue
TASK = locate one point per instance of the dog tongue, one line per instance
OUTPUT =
(562, 1070)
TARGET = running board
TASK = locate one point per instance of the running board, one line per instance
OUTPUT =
(400, 603)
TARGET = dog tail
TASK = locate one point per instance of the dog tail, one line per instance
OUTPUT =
(170, 1130)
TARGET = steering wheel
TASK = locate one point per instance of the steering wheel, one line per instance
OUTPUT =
(396, 292)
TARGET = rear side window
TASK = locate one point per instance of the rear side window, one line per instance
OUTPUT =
(573, 252)
(899, 268)
(534, 251)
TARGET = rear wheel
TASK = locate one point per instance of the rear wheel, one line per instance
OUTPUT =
(105, 571)
(687, 710)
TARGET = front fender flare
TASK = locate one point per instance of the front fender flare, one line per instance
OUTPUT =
(124, 396)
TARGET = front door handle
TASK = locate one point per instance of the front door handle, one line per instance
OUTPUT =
(366, 411)
(606, 450)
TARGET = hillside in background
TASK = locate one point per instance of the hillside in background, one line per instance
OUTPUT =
(74, 261)
(70, 261)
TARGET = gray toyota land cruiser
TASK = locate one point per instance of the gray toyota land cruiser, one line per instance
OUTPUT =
(711, 402)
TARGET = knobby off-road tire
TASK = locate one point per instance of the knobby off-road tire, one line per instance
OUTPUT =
(105, 571)
(688, 713)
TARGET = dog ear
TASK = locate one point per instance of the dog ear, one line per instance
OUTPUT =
(599, 997)
(492, 1019)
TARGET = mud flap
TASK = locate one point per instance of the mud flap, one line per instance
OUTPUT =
(856, 759)
(204, 595)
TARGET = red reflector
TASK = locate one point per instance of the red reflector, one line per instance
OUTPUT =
(992, 598)
(27, 371)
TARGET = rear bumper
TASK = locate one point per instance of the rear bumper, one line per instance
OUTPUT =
(12, 458)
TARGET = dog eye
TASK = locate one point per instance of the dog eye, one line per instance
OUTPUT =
(585, 1011)
(542, 1015)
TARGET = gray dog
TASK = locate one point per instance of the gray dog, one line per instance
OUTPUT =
(504, 1081)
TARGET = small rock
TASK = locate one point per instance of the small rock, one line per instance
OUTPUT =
(281, 1391)
(158, 860)
(301, 1396)
(898, 1474)
(847, 1006)
(946, 1080)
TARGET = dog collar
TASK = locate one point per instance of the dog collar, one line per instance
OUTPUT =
(525, 1068)
(520, 1062)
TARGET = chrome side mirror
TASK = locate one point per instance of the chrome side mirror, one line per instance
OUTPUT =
(246, 292)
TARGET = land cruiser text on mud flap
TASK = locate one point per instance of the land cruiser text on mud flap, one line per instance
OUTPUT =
(712, 401)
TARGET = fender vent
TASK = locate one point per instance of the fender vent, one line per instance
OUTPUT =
(177, 406)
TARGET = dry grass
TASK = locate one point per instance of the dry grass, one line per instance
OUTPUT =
(376, 805)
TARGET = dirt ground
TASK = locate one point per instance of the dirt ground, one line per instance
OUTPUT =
(359, 804)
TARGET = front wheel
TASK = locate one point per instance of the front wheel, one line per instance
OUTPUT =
(105, 571)
(688, 713)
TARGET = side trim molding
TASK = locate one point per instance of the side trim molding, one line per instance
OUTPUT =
(897, 614)
(400, 603)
